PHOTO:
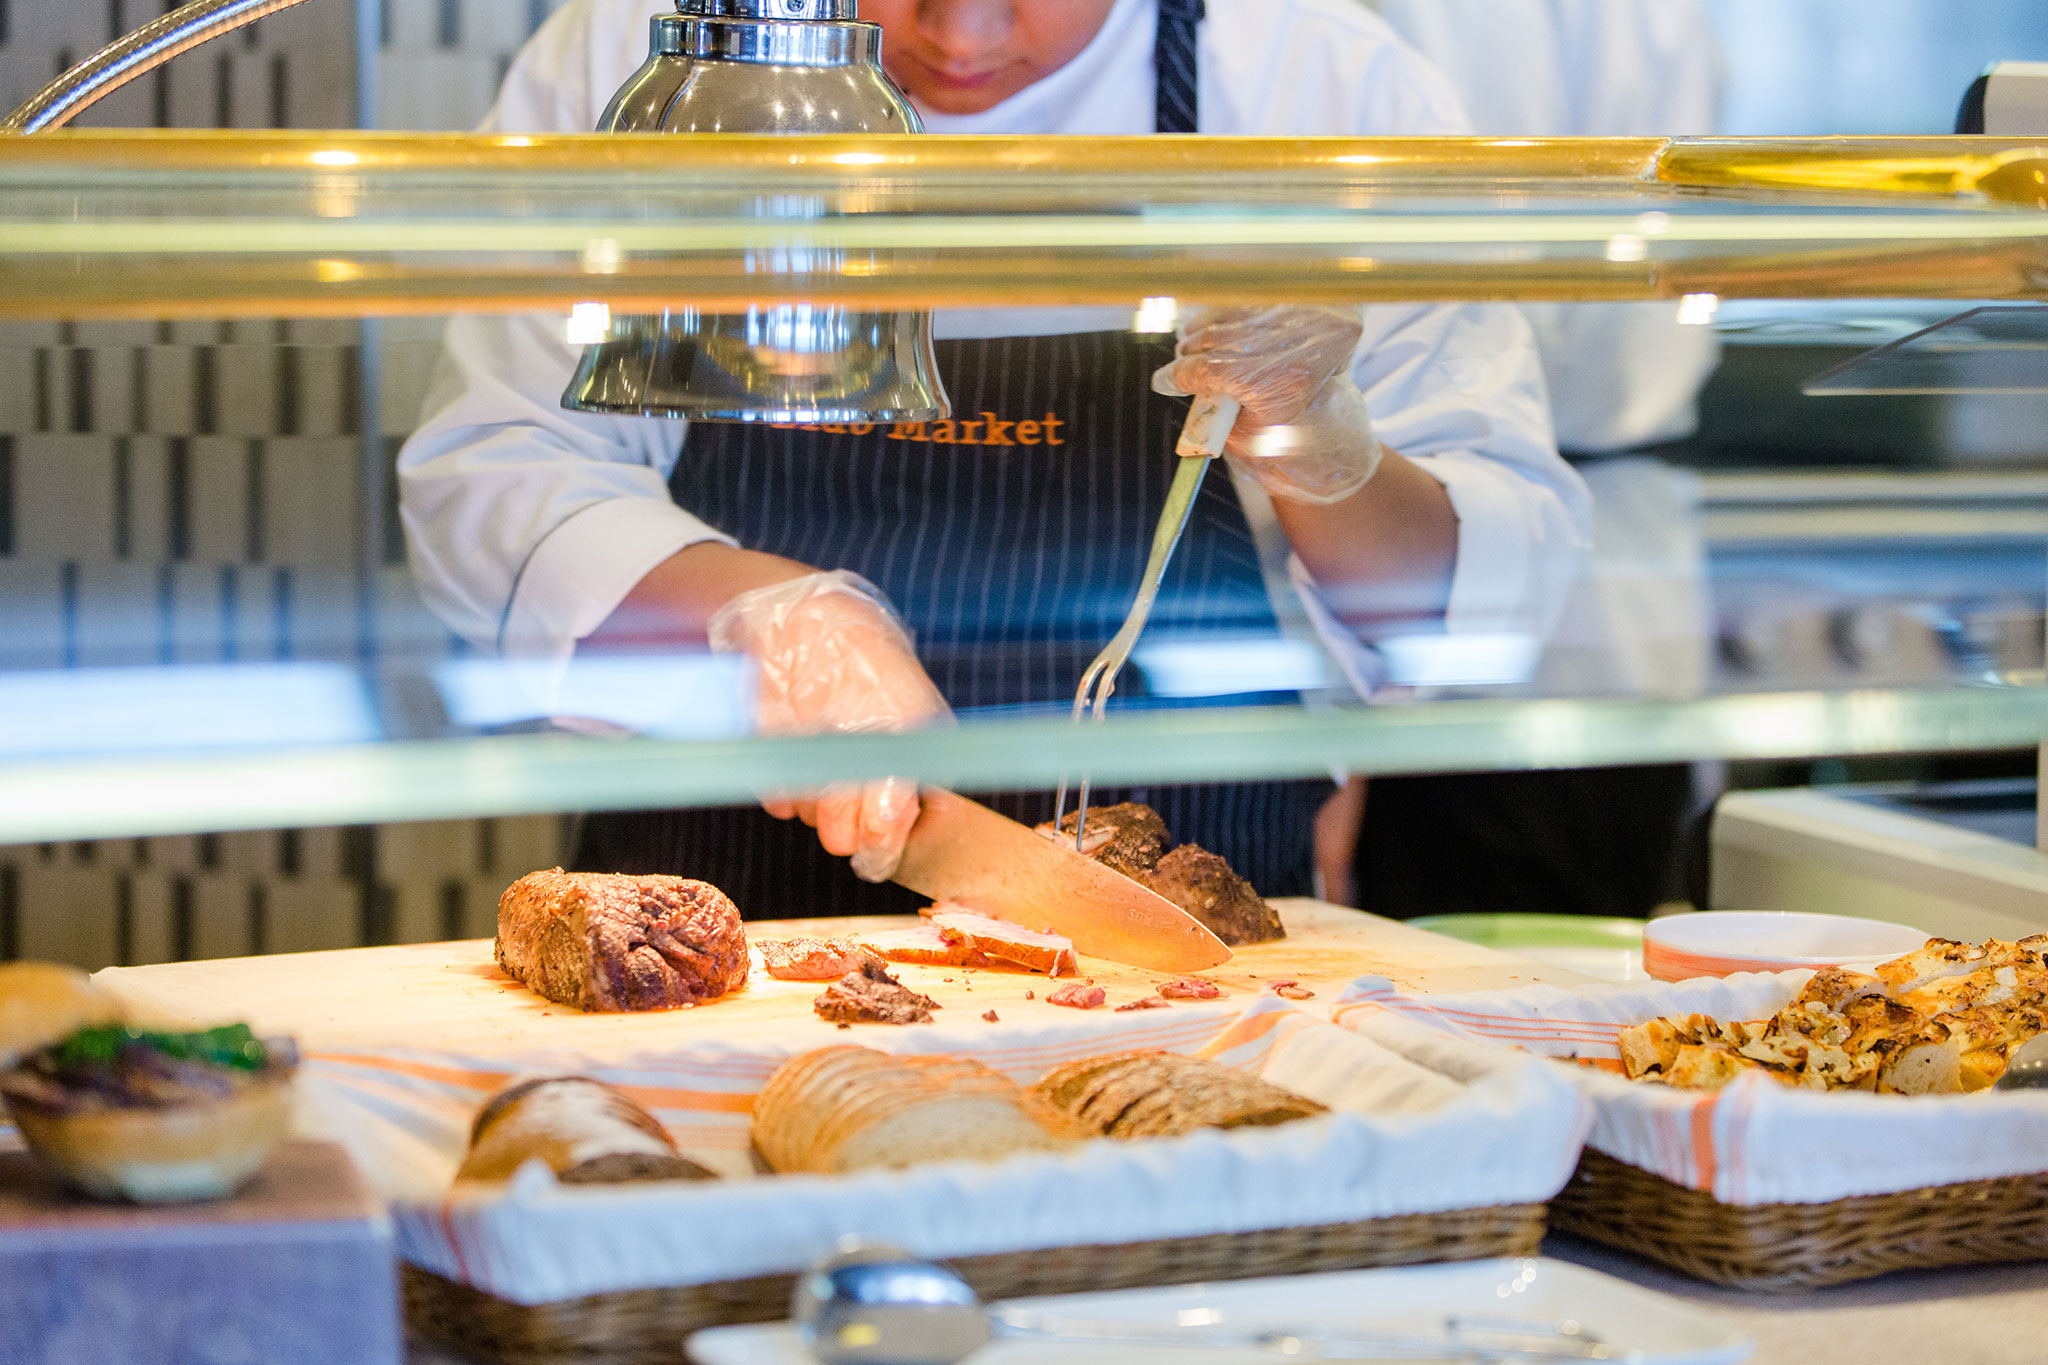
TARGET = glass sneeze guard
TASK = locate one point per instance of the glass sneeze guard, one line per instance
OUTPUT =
(144, 243)
(170, 225)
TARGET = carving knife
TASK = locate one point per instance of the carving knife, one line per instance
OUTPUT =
(962, 851)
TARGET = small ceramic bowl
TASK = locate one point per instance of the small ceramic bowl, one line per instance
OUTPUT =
(1724, 942)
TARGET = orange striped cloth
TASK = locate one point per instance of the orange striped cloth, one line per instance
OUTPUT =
(406, 1112)
(1756, 1142)
(1403, 1139)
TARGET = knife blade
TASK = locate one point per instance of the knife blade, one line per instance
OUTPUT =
(962, 851)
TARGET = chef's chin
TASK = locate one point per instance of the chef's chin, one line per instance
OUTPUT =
(939, 92)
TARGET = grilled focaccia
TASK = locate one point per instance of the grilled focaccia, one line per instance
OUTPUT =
(1940, 1020)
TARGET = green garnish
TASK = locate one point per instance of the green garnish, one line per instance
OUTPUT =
(232, 1046)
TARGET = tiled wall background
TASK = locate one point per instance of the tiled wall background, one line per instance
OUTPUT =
(201, 491)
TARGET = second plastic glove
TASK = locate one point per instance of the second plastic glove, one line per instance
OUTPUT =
(1305, 435)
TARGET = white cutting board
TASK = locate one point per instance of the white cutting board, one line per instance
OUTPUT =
(453, 996)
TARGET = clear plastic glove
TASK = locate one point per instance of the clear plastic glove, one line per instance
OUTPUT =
(1305, 435)
(833, 658)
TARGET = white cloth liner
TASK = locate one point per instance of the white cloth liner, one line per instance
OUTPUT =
(1409, 1138)
(1756, 1142)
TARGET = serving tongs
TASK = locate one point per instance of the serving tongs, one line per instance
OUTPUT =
(1201, 440)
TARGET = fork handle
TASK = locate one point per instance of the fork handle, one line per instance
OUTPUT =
(1208, 428)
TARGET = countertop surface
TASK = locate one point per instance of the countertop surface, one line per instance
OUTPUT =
(1981, 1316)
(1991, 1315)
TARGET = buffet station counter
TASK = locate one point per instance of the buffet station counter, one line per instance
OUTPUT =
(1372, 1110)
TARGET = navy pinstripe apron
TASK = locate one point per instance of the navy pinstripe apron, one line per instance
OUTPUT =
(1011, 538)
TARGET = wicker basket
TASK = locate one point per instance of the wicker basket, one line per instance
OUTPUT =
(649, 1325)
(1783, 1247)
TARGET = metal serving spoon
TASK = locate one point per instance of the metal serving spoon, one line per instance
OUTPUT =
(2027, 1068)
(1202, 439)
(878, 1306)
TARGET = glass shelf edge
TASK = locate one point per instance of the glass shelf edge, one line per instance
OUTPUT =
(50, 801)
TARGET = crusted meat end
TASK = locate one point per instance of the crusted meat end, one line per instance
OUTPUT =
(1127, 838)
(1133, 839)
(608, 943)
(1205, 886)
(872, 996)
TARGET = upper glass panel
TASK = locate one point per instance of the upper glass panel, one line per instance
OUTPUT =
(159, 225)
(248, 586)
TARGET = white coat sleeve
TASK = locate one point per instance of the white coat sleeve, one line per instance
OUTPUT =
(1459, 389)
(527, 524)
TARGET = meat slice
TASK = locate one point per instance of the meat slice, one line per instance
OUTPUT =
(1191, 988)
(1150, 1002)
(924, 945)
(812, 959)
(1002, 941)
(872, 996)
(609, 944)
(1133, 840)
(1077, 996)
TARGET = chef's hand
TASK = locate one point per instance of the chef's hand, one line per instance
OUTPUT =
(1304, 435)
(834, 659)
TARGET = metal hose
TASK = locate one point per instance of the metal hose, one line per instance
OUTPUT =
(138, 54)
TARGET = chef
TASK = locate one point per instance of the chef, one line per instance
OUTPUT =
(1622, 377)
(880, 580)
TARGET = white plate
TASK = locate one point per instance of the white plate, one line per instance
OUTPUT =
(1409, 1300)
(1723, 942)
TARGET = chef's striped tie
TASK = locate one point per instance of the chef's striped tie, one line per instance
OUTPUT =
(1179, 69)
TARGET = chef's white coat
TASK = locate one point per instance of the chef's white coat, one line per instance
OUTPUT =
(1621, 374)
(1638, 621)
(528, 524)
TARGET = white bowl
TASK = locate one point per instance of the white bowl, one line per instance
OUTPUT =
(1724, 942)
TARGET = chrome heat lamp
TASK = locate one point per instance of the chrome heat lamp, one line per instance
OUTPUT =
(717, 66)
(774, 67)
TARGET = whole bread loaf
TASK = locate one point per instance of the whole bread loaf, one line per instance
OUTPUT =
(852, 1108)
(613, 943)
(585, 1131)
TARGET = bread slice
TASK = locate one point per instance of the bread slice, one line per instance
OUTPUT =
(1163, 1094)
(1649, 1048)
(1930, 1064)
(1833, 988)
(43, 1003)
(848, 1109)
(1941, 957)
(585, 1131)
(1707, 1066)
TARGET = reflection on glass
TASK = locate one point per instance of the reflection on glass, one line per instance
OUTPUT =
(671, 696)
(1986, 350)
(118, 711)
